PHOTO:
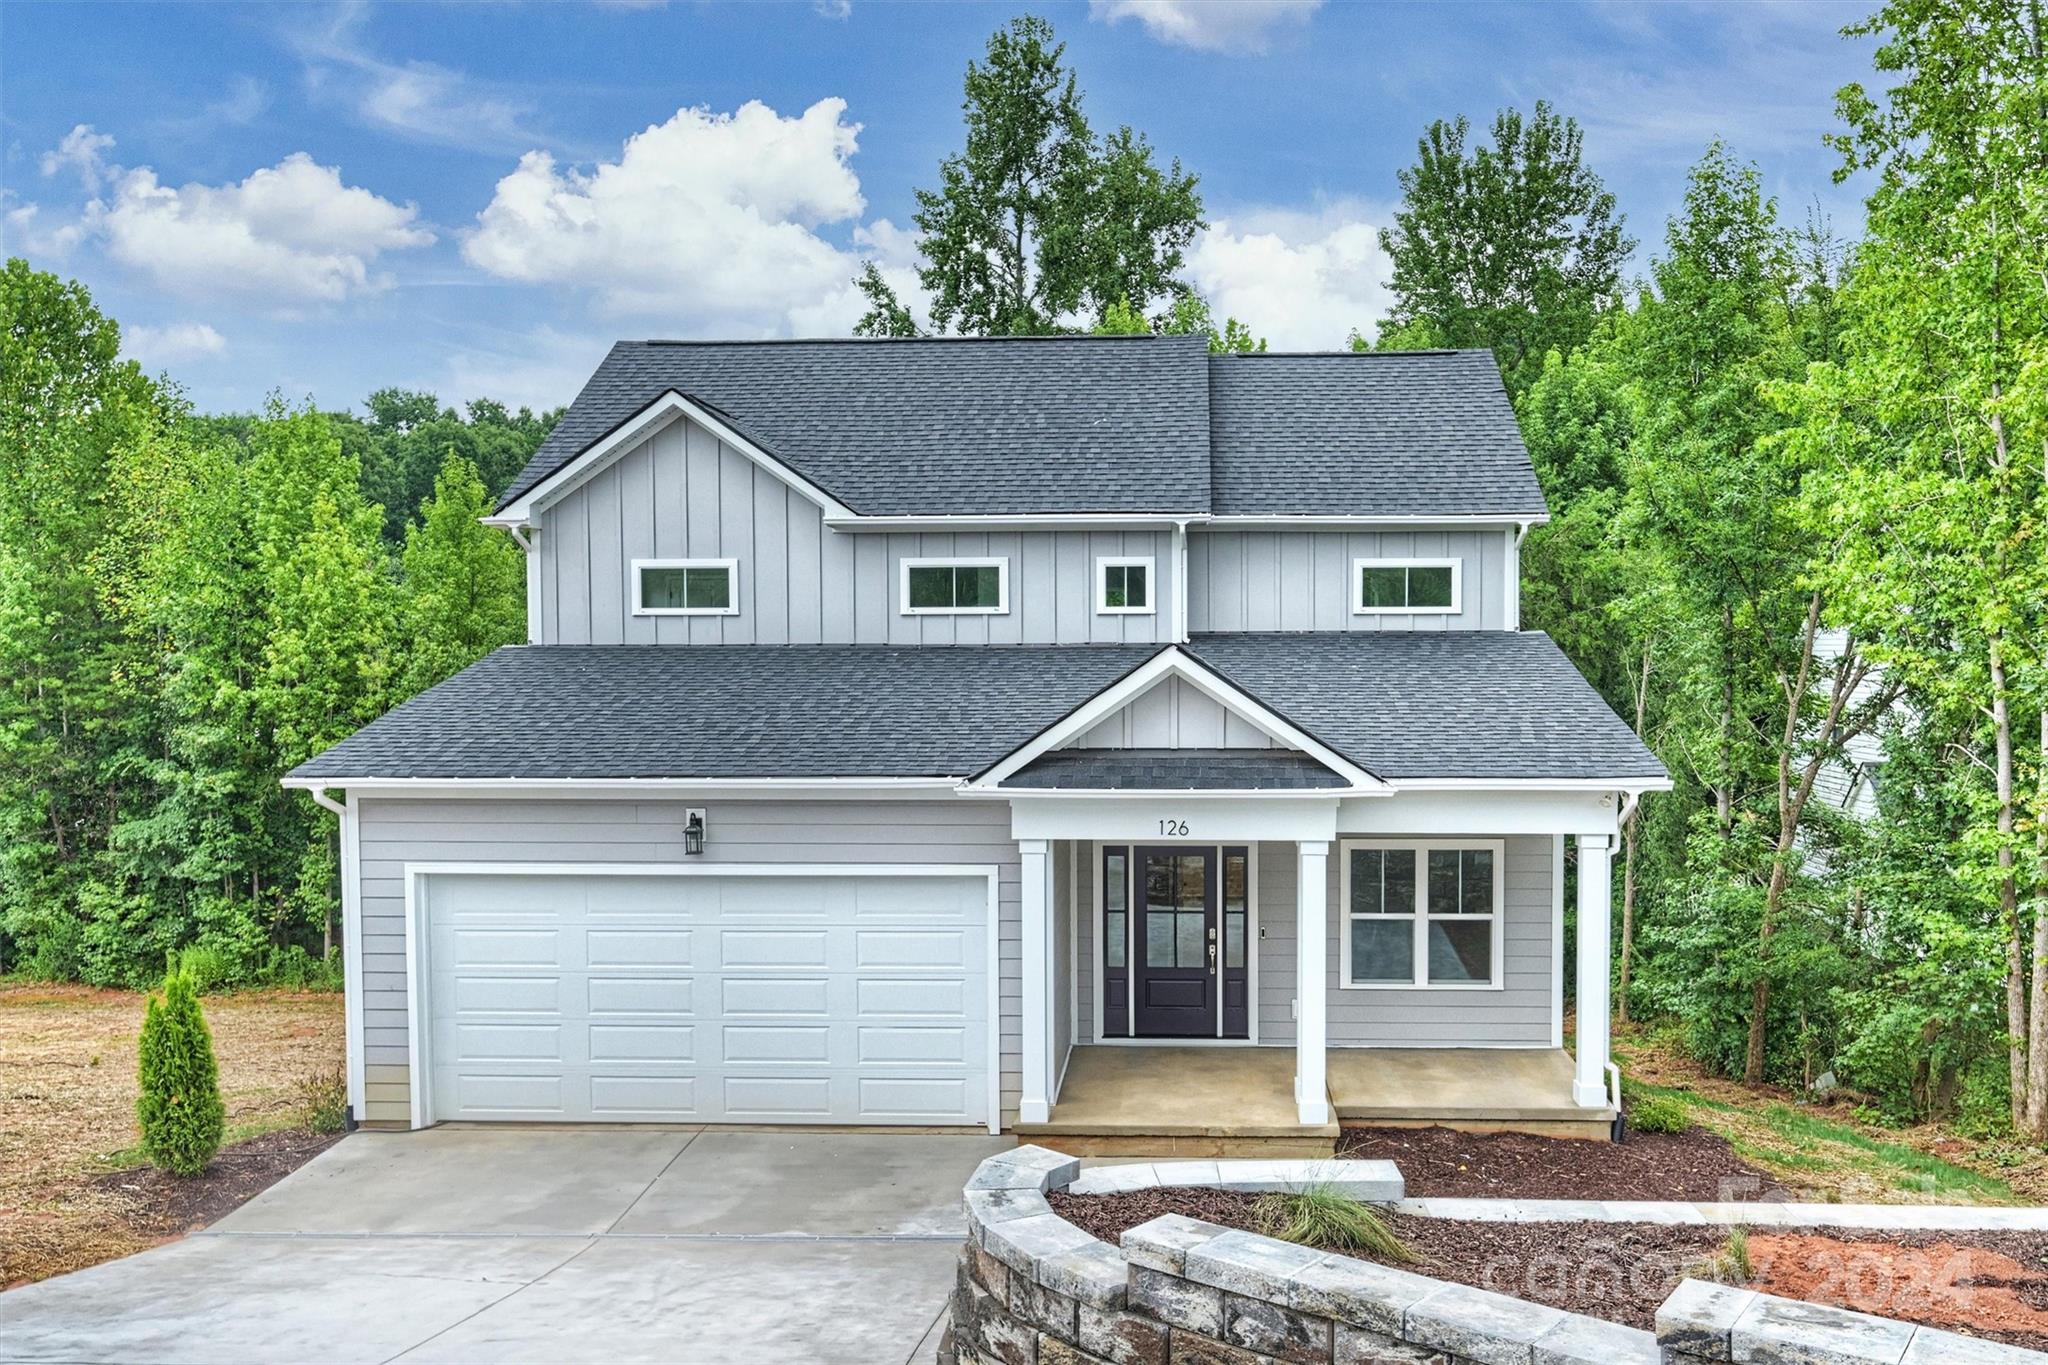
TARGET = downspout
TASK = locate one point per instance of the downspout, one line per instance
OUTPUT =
(1514, 614)
(518, 534)
(1180, 581)
(320, 795)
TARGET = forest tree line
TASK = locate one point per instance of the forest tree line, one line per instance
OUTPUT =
(1797, 496)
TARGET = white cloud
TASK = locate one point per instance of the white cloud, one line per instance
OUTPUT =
(289, 234)
(1303, 279)
(707, 220)
(82, 149)
(537, 368)
(27, 234)
(832, 9)
(422, 101)
(1234, 26)
(156, 347)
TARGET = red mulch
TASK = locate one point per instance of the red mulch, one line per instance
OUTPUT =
(1440, 1162)
(1987, 1284)
(171, 1205)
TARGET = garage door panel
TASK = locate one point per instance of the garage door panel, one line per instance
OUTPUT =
(708, 998)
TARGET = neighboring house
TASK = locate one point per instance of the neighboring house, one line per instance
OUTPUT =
(912, 729)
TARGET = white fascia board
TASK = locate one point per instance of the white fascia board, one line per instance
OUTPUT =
(573, 787)
(668, 408)
(1310, 521)
(1533, 784)
(1173, 662)
(1004, 521)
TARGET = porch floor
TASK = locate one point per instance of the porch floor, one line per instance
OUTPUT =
(1180, 1101)
(1478, 1089)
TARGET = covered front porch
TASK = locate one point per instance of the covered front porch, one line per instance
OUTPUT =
(1239, 1101)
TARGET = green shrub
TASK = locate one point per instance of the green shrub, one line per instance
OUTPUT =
(1331, 1221)
(206, 965)
(1659, 1114)
(180, 1107)
(323, 1099)
(294, 969)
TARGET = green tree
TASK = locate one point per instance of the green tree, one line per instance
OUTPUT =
(1934, 425)
(180, 1108)
(1515, 246)
(408, 434)
(465, 584)
(1036, 220)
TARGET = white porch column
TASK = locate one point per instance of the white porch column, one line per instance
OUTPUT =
(1596, 887)
(1311, 958)
(1035, 1105)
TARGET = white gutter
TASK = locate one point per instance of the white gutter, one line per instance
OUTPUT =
(1362, 523)
(320, 796)
(515, 529)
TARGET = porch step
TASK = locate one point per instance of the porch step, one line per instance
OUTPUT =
(1306, 1142)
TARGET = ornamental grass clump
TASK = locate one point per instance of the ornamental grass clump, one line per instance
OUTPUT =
(180, 1107)
(1329, 1220)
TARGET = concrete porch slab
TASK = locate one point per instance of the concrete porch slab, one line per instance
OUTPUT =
(1180, 1101)
(1480, 1089)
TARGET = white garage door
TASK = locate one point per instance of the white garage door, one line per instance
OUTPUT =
(726, 998)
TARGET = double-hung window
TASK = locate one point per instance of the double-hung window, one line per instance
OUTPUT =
(1405, 586)
(686, 587)
(1421, 913)
(956, 587)
(1123, 587)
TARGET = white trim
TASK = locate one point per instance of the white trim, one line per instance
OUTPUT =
(1180, 582)
(1000, 564)
(1420, 919)
(1251, 947)
(634, 586)
(1034, 1101)
(1311, 981)
(1590, 1054)
(1172, 661)
(416, 965)
(1008, 521)
(629, 434)
(1533, 784)
(1557, 940)
(599, 787)
(1104, 563)
(1405, 523)
(1363, 562)
(352, 953)
(1097, 937)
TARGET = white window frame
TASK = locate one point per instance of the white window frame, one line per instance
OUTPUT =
(1104, 563)
(1000, 564)
(1358, 567)
(732, 586)
(1419, 968)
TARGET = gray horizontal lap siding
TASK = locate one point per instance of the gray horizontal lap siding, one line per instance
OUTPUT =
(396, 831)
(1301, 580)
(1518, 1015)
(683, 494)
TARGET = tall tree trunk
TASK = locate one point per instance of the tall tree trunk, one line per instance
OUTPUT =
(2018, 1025)
(1630, 835)
(1724, 794)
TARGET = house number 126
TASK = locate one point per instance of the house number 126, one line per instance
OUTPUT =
(1174, 827)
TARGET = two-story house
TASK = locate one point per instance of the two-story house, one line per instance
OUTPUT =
(1088, 737)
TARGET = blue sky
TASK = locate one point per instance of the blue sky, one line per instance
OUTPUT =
(475, 199)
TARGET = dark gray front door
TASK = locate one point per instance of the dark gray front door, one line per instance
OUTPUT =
(1174, 948)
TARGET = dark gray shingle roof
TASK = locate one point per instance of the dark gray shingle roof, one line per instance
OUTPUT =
(1174, 770)
(1475, 704)
(1470, 704)
(963, 426)
(729, 711)
(1395, 433)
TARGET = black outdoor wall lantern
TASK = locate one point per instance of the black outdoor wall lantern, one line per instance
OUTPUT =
(693, 832)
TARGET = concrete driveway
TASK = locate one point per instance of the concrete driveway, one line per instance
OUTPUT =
(544, 1245)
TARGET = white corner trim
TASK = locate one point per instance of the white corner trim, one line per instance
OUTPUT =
(419, 1056)
(1104, 563)
(1173, 661)
(1359, 608)
(999, 563)
(646, 422)
(732, 586)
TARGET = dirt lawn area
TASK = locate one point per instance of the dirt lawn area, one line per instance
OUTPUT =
(67, 1117)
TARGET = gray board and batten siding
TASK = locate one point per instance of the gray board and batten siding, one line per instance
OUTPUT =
(683, 494)
(398, 831)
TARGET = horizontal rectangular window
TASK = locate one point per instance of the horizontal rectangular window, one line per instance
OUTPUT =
(1421, 913)
(956, 586)
(1123, 587)
(1405, 585)
(685, 587)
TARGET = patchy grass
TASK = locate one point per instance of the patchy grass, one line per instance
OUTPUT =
(67, 1106)
(1825, 1152)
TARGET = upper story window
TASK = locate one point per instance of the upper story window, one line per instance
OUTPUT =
(686, 587)
(1406, 586)
(1421, 913)
(956, 587)
(1124, 587)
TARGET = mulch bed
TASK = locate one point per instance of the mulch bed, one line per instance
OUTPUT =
(169, 1205)
(1988, 1284)
(1442, 1163)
